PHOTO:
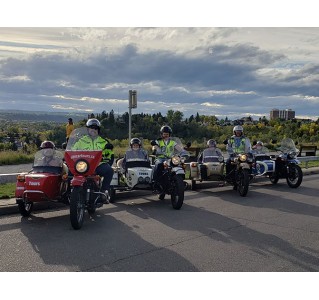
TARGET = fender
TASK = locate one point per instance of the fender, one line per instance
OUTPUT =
(178, 170)
(78, 181)
(244, 165)
(294, 161)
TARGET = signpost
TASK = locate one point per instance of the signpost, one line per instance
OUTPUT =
(132, 103)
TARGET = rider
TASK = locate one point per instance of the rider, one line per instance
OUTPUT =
(258, 148)
(93, 141)
(136, 156)
(163, 148)
(237, 143)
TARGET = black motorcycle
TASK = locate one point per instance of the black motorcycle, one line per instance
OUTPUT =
(286, 164)
(171, 180)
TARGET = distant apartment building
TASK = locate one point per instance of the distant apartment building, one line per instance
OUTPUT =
(286, 114)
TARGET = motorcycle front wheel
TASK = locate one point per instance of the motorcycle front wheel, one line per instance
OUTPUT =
(243, 182)
(177, 195)
(294, 176)
(25, 209)
(77, 207)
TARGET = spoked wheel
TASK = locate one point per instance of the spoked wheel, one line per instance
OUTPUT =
(25, 208)
(77, 207)
(243, 182)
(177, 195)
(294, 176)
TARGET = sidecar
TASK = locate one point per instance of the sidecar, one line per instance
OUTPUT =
(263, 164)
(211, 169)
(136, 176)
(42, 183)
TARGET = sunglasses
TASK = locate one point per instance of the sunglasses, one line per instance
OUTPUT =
(94, 127)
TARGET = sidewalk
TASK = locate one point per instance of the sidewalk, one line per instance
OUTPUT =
(9, 206)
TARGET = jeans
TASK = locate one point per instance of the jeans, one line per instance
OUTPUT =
(105, 170)
(158, 169)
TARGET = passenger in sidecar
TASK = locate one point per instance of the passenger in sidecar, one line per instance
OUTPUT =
(263, 164)
(134, 171)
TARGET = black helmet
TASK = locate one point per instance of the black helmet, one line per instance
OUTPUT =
(166, 129)
(135, 141)
(47, 144)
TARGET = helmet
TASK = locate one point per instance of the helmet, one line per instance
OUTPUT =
(93, 123)
(238, 128)
(135, 141)
(211, 143)
(166, 129)
(47, 144)
(260, 143)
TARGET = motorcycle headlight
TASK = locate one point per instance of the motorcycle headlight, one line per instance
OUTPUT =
(242, 157)
(176, 160)
(81, 166)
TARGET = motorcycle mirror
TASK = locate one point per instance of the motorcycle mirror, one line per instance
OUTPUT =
(64, 146)
(188, 144)
(254, 143)
(153, 143)
(225, 142)
(109, 146)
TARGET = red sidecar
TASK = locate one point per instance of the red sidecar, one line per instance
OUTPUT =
(47, 181)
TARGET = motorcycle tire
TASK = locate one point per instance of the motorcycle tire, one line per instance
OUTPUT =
(193, 185)
(25, 209)
(294, 176)
(243, 182)
(177, 195)
(77, 207)
(112, 194)
(274, 178)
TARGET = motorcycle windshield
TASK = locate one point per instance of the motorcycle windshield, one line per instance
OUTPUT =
(82, 150)
(136, 155)
(179, 148)
(288, 145)
(210, 155)
(48, 157)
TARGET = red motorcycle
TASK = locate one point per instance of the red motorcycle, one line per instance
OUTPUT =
(85, 184)
(47, 181)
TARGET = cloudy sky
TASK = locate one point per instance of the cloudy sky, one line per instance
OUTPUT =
(223, 71)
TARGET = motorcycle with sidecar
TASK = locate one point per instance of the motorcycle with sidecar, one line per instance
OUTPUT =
(85, 184)
(45, 182)
(213, 168)
(287, 164)
(138, 175)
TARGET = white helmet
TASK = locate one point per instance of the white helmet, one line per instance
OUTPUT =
(211, 143)
(238, 128)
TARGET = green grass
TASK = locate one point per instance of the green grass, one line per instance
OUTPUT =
(15, 158)
(7, 190)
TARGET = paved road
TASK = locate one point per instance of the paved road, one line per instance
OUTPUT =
(274, 228)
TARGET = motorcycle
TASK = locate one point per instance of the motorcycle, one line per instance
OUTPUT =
(43, 183)
(85, 185)
(171, 180)
(286, 165)
(263, 164)
(212, 169)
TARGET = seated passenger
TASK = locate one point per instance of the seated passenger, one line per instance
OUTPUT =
(49, 157)
(260, 152)
(136, 156)
(210, 154)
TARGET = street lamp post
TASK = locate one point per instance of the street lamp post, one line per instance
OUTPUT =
(132, 103)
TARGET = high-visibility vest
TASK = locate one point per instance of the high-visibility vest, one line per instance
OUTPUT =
(87, 143)
(238, 147)
(167, 150)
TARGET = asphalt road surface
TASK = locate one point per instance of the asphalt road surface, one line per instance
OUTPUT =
(273, 228)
